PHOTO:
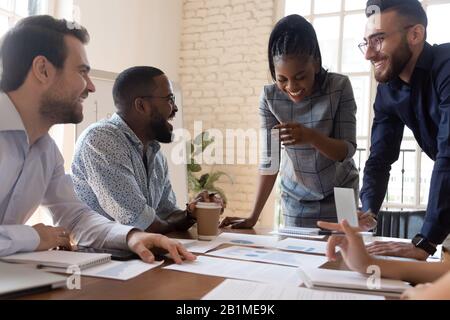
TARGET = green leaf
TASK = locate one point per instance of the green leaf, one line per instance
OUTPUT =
(191, 146)
(206, 143)
(204, 179)
(193, 183)
(194, 168)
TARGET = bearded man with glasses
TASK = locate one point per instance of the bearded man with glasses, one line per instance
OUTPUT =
(118, 167)
(413, 91)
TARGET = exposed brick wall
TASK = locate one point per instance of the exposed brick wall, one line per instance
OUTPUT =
(223, 69)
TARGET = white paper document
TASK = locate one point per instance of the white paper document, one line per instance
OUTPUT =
(118, 270)
(248, 240)
(197, 246)
(346, 205)
(244, 290)
(437, 255)
(243, 270)
(270, 256)
(307, 246)
(350, 280)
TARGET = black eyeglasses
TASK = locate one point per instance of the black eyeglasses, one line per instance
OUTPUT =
(170, 98)
(376, 41)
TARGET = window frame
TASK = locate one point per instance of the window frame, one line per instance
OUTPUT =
(14, 17)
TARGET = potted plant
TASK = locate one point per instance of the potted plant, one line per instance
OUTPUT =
(198, 182)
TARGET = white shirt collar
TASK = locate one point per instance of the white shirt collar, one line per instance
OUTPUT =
(10, 119)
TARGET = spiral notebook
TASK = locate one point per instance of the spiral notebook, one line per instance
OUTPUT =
(59, 259)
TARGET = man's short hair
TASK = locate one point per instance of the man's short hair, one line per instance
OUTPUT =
(412, 10)
(133, 83)
(32, 37)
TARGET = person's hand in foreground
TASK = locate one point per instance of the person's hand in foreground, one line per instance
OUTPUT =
(366, 222)
(396, 249)
(141, 242)
(352, 246)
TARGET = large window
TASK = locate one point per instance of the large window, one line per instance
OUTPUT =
(340, 26)
(12, 11)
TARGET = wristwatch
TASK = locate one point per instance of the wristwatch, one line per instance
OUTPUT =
(419, 241)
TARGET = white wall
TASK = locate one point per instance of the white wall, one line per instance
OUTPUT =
(223, 68)
(127, 33)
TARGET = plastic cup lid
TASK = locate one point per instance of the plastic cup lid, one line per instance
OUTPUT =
(208, 205)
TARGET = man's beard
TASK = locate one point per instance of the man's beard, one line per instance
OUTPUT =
(397, 62)
(160, 130)
(59, 110)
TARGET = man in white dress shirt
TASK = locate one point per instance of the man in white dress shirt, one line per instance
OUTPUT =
(44, 82)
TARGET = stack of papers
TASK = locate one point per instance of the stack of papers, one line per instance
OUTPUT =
(244, 290)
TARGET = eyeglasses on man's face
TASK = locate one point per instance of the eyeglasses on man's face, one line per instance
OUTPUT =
(375, 42)
(169, 98)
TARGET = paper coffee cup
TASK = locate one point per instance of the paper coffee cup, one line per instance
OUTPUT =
(208, 215)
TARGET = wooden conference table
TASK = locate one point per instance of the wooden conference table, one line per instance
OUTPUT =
(156, 284)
